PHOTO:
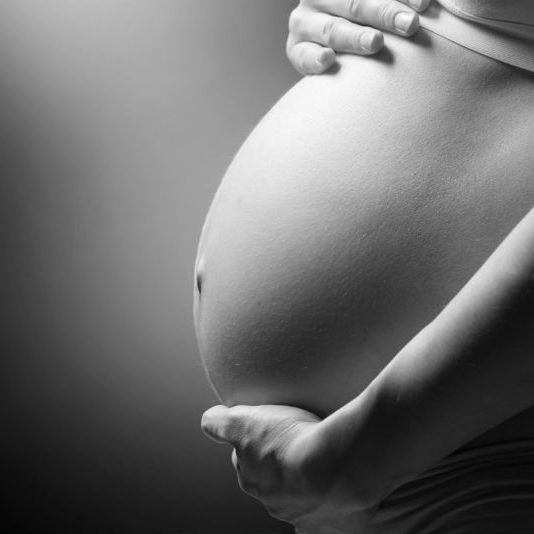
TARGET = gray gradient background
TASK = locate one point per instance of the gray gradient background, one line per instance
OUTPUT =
(118, 118)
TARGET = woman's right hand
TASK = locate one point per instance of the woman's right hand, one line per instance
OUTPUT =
(320, 28)
(288, 460)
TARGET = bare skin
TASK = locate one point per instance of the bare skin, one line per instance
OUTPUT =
(350, 212)
(348, 215)
(318, 29)
(331, 476)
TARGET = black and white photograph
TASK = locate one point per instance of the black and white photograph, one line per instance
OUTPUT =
(267, 266)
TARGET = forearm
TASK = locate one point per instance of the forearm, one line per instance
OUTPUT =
(465, 373)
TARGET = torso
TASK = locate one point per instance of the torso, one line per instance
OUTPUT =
(353, 213)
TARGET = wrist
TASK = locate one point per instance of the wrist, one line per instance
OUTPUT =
(354, 438)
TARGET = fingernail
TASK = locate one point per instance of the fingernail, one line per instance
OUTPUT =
(369, 41)
(406, 22)
(325, 57)
(420, 5)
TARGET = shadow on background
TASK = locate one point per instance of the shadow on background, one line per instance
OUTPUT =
(117, 122)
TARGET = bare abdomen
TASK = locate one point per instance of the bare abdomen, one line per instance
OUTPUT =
(356, 209)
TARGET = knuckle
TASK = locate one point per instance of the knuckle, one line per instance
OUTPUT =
(295, 20)
(329, 30)
(353, 8)
(385, 13)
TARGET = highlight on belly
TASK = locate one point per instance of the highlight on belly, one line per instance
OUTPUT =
(336, 234)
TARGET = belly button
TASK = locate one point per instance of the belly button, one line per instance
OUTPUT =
(199, 282)
(199, 275)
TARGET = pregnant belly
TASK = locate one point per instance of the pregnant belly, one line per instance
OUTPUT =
(350, 217)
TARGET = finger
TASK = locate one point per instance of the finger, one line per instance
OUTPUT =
(310, 58)
(388, 15)
(227, 425)
(418, 5)
(338, 34)
(235, 461)
(215, 424)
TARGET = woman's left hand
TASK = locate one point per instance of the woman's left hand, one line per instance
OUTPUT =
(320, 28)
(284, 459)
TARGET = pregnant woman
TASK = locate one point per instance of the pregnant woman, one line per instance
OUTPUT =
(389, 389)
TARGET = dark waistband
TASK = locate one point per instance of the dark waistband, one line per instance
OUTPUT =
(485, 490)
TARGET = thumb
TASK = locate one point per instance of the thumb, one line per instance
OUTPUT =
(224, 425)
